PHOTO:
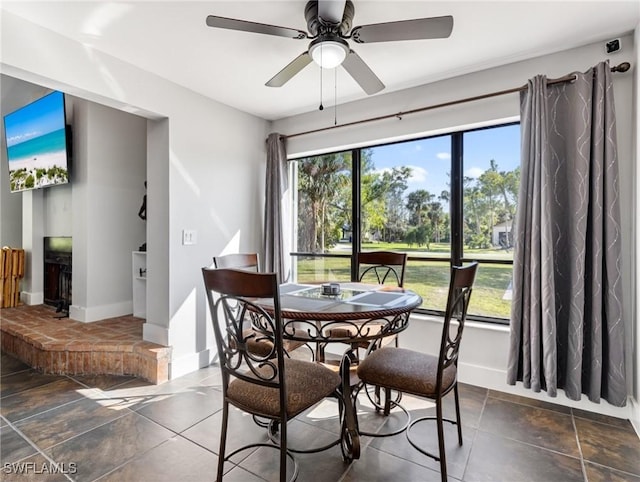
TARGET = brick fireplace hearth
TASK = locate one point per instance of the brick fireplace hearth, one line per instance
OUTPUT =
(39, 338)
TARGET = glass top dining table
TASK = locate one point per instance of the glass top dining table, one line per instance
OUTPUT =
(358, 313)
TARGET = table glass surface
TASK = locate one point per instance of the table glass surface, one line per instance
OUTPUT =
(354, 298)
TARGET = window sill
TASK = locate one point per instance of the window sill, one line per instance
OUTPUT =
(476, 325)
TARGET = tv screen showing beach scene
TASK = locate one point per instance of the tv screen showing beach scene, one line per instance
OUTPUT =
(36, 144)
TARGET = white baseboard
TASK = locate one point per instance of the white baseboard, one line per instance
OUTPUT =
(95, 313)
(190, 363)
(496, 380)
(32, 298)
(635, 414)
(155, 334)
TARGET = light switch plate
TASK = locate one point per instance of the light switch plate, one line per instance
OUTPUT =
(189, 237)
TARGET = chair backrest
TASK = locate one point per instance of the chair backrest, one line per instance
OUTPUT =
(460, 287)
(382, 267)
(245, 261)
(230, 293)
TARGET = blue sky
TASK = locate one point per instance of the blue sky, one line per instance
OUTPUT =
(36, 119)
(430, 159)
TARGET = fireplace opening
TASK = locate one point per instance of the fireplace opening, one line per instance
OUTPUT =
(57, 273)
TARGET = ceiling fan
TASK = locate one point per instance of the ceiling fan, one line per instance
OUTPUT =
(329, 27)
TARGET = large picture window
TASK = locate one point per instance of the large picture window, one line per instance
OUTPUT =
(443, 200)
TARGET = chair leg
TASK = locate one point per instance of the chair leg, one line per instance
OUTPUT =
(387, 401)
(283, 451)
(441, 448)
(223, 440)
(319, 356)
(376, 396)
(458, 420)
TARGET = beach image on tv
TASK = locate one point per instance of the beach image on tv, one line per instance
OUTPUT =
(36, 144)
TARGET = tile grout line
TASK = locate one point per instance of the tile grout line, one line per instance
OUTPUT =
(130, 411)
(75, 435)
(475, 435)
(570, 414)
(93, 389)
(15, 373)
(607, 467)
(613, 469)
(524, 404)
(38, 450)
(529, 444)
(575, 431)
(113, 420)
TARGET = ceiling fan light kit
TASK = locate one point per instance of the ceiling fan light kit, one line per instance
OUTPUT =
(329, 26)
(328, 54)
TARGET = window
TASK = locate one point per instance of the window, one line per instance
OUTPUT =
(491, 178)
(443, 200)
(323, 219)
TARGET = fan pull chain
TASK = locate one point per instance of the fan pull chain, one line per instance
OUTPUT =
(321, 106)
(335, 96)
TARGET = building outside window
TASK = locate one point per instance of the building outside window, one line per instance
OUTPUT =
(443, 200)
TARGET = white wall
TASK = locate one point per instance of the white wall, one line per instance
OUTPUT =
(635, 291)
(32, 288)
(484, 352)
(108, 186)
(107, 173)
(205, 170)
(57, 210)
(13, 95)
(46, 212)
(158, 243)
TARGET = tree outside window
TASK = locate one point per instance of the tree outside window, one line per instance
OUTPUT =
(404, 200)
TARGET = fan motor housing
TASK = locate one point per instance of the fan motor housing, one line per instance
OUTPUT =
(316, 26)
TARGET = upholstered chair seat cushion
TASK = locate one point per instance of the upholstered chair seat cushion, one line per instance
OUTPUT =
(350, 331)
(405, 370)
(306, 384)
(261, 345)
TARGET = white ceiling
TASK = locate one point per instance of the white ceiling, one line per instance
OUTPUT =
(172, 40)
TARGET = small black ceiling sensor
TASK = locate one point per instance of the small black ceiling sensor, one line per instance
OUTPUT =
(613, 45)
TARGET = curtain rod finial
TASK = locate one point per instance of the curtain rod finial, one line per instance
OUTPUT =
(623, 67)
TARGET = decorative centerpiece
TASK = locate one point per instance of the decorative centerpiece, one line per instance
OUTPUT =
(331, 289)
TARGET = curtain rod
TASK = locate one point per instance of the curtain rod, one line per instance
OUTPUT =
(623, 67)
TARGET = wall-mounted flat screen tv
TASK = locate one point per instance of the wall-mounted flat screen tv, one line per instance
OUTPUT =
(37, 148)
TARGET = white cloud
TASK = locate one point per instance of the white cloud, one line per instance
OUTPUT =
(474, 172)
(418, 174)
(443, 156)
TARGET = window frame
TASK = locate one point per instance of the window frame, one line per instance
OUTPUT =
(456, 212)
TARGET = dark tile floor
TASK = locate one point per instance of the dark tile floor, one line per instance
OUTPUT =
(115, 428)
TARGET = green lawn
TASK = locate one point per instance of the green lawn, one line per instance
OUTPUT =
(438, 249)
(430, 279)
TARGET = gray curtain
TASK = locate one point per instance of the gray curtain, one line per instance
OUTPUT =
(567, 329)
(276, 185)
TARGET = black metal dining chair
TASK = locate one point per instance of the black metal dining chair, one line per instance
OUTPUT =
(376, 267)
(269, 385)
(256, 342)
(382, 267)
(385, 267)
(425, 375)
(245, 261)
